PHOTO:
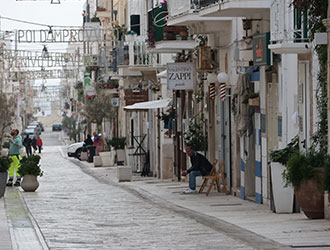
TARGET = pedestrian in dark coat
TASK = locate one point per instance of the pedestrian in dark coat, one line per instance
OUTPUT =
(200, 166)
(34, 144)
(27, 142)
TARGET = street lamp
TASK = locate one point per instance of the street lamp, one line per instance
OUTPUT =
(44, 52)
(222, 77)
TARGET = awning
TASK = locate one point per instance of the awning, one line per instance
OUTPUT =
(143, 106)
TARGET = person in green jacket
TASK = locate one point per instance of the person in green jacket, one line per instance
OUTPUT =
(14, 155)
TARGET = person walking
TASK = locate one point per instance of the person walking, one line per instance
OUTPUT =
(34, 144)
(27, 142)
(39, 144)
(14, 155)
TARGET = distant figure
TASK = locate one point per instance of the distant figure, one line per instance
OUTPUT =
(97, 142)
(96, 138)
(89, 140)
(34, 144)
(27, 142)
(39, 144)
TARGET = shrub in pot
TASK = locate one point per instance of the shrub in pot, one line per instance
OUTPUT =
(117, 142)
(305, 171)
(4, 166)
(30, 170)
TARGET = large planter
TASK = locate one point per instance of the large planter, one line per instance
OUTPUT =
(121, 157)
(3, 182)
(124, 173)
(106, 159)
(30, 183)
(97, 161)
(283, 196)
(310, 198)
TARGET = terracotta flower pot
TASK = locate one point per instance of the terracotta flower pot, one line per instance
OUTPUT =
(310, 198)
(30, 183)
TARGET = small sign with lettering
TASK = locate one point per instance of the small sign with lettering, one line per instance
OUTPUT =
(261, 53)
(180, 76)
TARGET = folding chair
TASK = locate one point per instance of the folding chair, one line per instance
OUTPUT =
(215, 176)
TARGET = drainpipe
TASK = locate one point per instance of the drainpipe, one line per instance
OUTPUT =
(151, 132)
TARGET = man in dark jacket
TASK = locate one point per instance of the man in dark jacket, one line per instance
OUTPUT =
(28, 145)
(199, 166)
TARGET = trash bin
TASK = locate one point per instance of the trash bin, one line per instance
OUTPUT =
(91, 152)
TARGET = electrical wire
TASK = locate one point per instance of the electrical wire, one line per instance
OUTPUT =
(38, 24)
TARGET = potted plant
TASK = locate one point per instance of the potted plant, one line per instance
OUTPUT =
(30, 170)
(105, 155)
(4, 166)
(282, 193)
(305, 171)
(119, 144)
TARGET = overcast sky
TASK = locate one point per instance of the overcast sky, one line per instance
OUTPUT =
(68, 13)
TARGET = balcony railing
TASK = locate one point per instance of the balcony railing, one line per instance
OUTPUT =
(130, 53)
(178, 7)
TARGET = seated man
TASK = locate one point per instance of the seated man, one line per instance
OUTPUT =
(199, 166)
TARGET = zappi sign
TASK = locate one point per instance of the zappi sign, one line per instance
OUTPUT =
(180, 76)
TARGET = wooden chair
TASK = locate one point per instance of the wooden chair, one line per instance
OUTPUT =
(215, 176)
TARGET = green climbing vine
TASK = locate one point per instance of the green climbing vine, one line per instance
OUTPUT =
(317, 12)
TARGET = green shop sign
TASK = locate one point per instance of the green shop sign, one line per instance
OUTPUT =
(261, 53)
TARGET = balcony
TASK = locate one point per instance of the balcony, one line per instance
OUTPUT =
(184, 13)
(130, 55)
(289, 38)
(235, 8)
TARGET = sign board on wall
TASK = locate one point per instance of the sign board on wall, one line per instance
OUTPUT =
(135, 96)
(261, 53)
(180, 76)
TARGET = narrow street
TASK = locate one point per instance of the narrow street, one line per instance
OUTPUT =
(75, 211)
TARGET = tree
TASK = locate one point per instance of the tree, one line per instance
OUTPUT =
(98, 109)
(7, 114)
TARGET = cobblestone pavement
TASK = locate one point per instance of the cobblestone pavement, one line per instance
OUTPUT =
(75, 211)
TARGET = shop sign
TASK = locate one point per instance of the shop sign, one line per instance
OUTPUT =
(135, 96)
(180, 76)
(261, 53)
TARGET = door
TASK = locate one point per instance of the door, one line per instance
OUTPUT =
(224, 136)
